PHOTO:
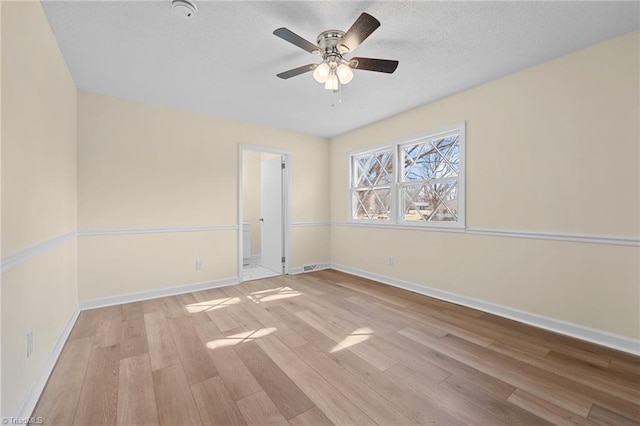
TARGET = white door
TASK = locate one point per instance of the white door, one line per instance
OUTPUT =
(272, 215)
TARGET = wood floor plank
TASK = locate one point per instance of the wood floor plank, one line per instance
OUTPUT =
(258, 409)
(133, 336)
(629, 367)
(236, 376)
(151, 305)
(531, 379)
(326, 397)
(546, 410)
(343, 339)
(87, 324)
(162, 349)
(601, 416)
(215, 404)
(363, 396)
(394, 300)
(99, 395)
(223, 320)
(136, 397)
(465, 411)
(173, 397)
(257, 310)
(60, 397)
(172, 308)
(311, 417)
(288, 336)
(509, 413)
(284, 393)
(196, 361)
(110, 329)
(420, 409)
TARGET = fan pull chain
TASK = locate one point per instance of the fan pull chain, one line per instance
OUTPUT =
(333, 95)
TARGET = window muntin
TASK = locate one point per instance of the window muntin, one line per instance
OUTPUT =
(372, 178)
(420, 182)
(429, 179)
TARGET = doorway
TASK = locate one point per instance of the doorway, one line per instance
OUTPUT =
(263, 241)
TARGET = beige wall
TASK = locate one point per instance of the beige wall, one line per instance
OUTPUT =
(38, 194)
(551, 149)
(145, 166)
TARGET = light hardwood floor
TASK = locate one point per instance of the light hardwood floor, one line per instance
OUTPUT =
(328, 348)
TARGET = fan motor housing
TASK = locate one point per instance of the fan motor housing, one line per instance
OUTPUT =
(329, 43)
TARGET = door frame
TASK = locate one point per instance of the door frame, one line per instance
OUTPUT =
(286, 201)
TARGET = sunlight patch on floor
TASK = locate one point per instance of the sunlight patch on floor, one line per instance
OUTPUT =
(273, 294)
(212, 305)
(236, 339)
(358, 336)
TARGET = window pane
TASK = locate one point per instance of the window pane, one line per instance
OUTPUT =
(431, 202)
(449, 149)
(373, 170)
(436, 159)
(372, 204)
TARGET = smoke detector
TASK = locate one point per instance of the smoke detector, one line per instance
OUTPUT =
(184, 9)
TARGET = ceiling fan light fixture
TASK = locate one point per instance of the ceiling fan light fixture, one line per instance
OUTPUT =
(344, 73)
(321, 73)
(332, 82)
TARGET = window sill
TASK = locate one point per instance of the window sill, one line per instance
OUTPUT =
(459, 228)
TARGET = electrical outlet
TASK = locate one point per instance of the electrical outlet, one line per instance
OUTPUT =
(29, 343)
(391, 261)
(198, 265)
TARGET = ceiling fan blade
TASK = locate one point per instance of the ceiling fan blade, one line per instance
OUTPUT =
(359, 31)
(297, 71)
(371, 64)
(294, 38)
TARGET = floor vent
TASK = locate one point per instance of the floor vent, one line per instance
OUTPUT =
(314, 267)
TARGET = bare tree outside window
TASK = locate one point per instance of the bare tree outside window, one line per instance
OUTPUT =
(429, 182)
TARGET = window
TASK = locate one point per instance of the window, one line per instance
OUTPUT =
(419, 182)
(371, 181)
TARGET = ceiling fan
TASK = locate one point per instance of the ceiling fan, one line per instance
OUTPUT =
(332, 45)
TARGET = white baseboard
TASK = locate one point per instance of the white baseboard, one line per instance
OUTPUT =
(154, 294)
(614, 341)
(40, 381)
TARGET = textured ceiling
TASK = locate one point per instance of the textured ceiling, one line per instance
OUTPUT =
(225, 60)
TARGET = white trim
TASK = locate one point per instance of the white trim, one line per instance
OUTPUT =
(395, 147)
(309, 224)
(390, 225)
(286, 196)
(159, 230)
(37, 386)
(266, 149)
(154, 294)
(15, 259)
(580, 238)
(622, 343)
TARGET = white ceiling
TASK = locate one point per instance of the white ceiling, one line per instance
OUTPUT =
(224, 62)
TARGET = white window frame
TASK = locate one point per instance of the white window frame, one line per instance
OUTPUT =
(396, 216)
(392, 185)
